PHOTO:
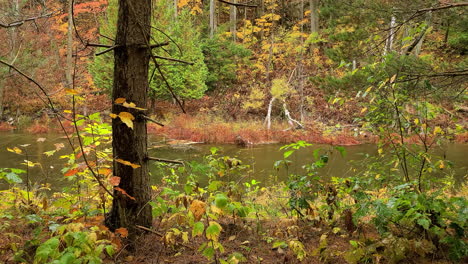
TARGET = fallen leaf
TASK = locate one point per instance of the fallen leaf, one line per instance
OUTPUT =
(40, 139)
(123, 232)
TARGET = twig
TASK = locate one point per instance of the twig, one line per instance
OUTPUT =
(159, 234)
(165, 160)
(152, 120)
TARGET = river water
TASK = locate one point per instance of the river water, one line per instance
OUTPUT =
(260, 157)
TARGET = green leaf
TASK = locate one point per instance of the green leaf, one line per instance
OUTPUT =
(198, 228)
(13, 178)
(213, 231)
(221, 201)
(424, 222)
(288, 153)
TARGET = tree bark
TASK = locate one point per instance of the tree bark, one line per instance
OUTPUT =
(131, 63)
(233, 18)
(268, 117)
(69, 68)
(212, 18)
(314, 16)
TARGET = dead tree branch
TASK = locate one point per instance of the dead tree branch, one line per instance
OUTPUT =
(21, 22)
(238, 4)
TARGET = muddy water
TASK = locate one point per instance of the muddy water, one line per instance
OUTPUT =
(261, 158)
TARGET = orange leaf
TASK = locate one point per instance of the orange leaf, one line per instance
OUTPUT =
(71, 172)
(128, 163)
(119, 100)
(114, 180)
(198, 208)
(123, 232)
(104, 171)
(124, 192)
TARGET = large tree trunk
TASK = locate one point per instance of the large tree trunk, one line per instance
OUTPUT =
(131, 82)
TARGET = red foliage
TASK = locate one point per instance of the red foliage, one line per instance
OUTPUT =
(38, 128)
(462, 138)
(4, 126)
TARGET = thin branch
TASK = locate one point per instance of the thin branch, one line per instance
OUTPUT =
(152, 120)
(21, 22)
(445, 6)
(172, 59)
(237, 4)
(165, 160)
(159, 234)
(107, 50)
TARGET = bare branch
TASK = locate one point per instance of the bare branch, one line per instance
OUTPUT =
(165, 160)
(445, 6)
(237, 4)
(172, 59)
(152, 120)
(21, 22)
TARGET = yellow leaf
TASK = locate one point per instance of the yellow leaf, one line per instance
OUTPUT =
(392, 80)
(363, 110)
(113, 115)
(119, 100)
(132, 105)
(71, 91)
(416, 121)
(15, 150)
(441, 165)
(368, 89)
(128, 163)
(127, 118)
(104, 171)
(67, 111)
(198, 209)
(437, 130)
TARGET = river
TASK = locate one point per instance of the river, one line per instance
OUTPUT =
(260, 157)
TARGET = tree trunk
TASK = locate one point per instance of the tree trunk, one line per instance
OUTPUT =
(233, 18)
(314, 16)
(268, 117)
(69, 68)
(389, 42)
(131, 63)
(212, 18)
